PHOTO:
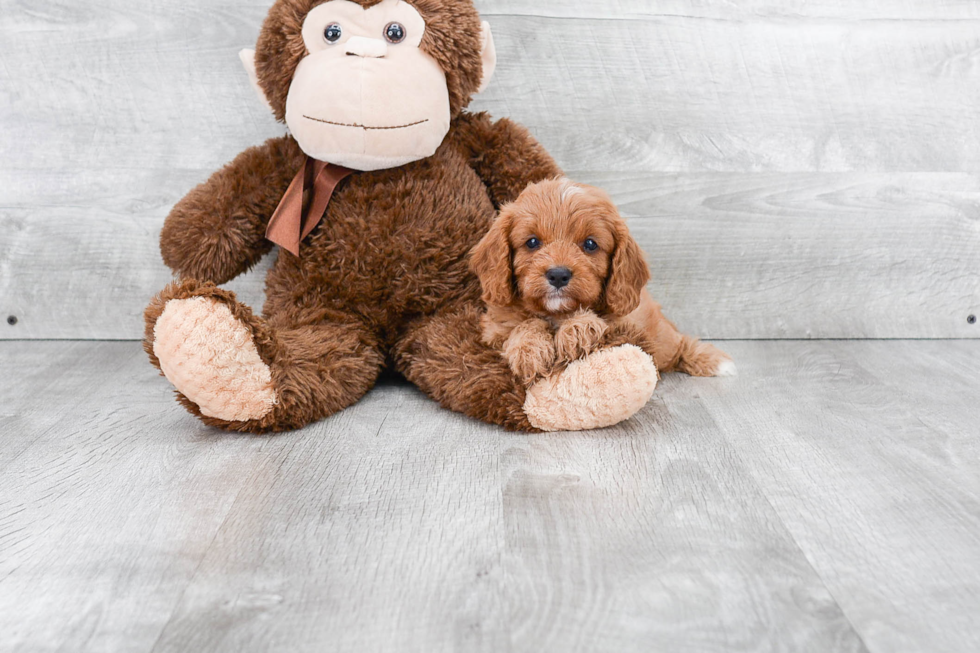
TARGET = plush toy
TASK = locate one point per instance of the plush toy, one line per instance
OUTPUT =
(375, 198)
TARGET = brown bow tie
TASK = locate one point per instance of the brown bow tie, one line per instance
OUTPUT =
(289, 224)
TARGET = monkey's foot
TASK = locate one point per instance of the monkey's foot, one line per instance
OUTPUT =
(209, 354)
(603, 389)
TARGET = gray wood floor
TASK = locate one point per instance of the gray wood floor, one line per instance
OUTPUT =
(828, 499)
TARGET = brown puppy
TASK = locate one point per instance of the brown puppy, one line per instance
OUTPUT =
(561, 275)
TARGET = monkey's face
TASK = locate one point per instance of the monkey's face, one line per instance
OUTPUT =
(367, 96)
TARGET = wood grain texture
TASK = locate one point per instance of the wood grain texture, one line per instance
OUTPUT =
(103, 497)
(158, 87)
(791, 10)
(852, 127)
(825, 500)
(733, 255)
(653, 537)
(868, 452)
(811, 255)
(681, 93)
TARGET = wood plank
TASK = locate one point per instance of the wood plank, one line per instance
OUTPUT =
(651, 537)
(367, 531)
(809, 255)
(733, 256)
(824, 500)
(868, 452)
(160, 86)
(56, 375)
(740, 9)
(112, 86)
(378, 530)
(106, 514)
(676, 93)
(65, 279)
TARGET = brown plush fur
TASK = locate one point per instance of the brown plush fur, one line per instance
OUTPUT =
(330, 366)
(384, 280)
(217, 231)
(453, 37)
(604, 300)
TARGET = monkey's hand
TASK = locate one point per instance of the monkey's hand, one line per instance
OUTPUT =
(530, 350)
(217, 231)
(579, 335)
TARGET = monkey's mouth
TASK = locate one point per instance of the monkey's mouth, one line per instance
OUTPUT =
(364, 127)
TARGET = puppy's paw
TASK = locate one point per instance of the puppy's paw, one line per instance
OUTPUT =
(579, 336)
(530, 350)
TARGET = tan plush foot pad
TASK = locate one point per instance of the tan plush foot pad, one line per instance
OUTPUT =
(604, 389)
(209, 356)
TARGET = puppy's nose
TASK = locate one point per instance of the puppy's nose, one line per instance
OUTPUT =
(558, 277)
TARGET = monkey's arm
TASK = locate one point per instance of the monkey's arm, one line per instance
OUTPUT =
(504, 155)
(217, 231)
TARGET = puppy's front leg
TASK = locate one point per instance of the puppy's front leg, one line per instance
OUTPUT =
(530, 350)
(579, 335)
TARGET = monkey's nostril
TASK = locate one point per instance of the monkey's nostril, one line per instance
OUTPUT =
(558, 277)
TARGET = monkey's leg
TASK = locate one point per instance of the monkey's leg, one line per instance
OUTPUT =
(602, 389)
(238, 372)
(444, 356)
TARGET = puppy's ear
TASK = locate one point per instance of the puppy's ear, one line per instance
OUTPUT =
(490, 260)
(628, 273)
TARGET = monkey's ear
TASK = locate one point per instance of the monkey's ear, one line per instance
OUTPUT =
(489, 57)
(248, 60)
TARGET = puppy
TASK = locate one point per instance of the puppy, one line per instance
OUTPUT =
(561, 276)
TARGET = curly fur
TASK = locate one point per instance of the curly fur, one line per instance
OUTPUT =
(606, 299)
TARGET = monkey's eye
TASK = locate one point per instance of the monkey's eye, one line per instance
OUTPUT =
(333, 33)
(590, 245)
(395, 33)
(533, 243)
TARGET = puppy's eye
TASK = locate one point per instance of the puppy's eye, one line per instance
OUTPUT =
(533, 242)
(332, 33)
(590, 245)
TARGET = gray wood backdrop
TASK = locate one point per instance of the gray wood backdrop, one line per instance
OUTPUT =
(793, 168)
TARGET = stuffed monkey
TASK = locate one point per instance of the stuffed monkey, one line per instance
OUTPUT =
(375, 198)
